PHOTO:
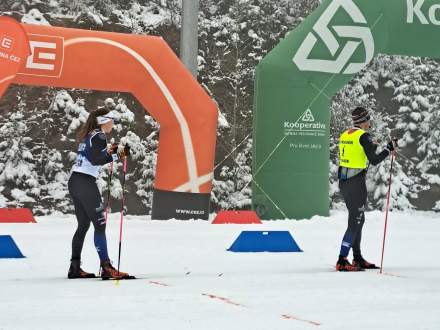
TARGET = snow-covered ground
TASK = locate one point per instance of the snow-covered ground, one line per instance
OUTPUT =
(189, 281)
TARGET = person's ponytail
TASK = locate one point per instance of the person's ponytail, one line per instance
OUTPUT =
(91, 123)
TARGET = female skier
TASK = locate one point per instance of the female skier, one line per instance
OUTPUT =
(93, 152)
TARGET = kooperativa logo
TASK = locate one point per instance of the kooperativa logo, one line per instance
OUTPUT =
(305, 125)
(357, 35)
(308, 116)
(417, 8)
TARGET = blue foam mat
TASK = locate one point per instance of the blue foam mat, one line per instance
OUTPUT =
(265, 241)
(8, 248)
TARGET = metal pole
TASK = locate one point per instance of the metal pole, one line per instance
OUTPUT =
(189, 43)
(110, 175)
(386, 210)
(124, 171)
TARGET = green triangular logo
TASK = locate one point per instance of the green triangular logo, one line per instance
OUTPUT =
(308, 116)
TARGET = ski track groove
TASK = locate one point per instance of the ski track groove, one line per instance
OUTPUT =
(291, 317)
(226, 300)
(159, 283)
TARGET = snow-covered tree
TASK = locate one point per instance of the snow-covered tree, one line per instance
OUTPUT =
(19, 179)
(232, 190)
(365, 90)
(234, 36)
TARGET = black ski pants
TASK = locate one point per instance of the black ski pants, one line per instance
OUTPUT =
(354, 192)
(88, 209)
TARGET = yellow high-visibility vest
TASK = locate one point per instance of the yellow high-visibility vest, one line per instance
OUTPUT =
(351, 152)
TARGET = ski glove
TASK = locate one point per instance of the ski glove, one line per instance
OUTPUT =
(123, 151)
(392, 145)
(113, 148)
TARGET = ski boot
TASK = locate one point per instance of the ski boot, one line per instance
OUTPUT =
(362, 263)
(75, 270)
(108, 272)
(343, 265)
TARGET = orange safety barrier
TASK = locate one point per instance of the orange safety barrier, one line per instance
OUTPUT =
(237, 217)
(9, 215)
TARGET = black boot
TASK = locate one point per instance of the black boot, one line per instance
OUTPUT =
(343, 265)
(362, 263)
(75, 270)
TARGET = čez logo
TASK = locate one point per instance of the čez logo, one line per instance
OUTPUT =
(415, 10)
(46, 59)
(6, 43)
(41, 51)
(6, 49)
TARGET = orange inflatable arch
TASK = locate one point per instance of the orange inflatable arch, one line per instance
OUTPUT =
(144, 66)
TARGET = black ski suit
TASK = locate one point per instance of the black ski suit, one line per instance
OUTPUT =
(354, 192)
(86, 197)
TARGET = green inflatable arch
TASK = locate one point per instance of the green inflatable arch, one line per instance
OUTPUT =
(296, 81)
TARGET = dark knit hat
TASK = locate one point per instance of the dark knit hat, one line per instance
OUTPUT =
(360, 115)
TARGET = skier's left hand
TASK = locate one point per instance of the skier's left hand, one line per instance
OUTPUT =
(123, 151)
(112, 148)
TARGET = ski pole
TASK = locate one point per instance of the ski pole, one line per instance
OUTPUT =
(124, 170)
(109, 189)
(386, 211)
